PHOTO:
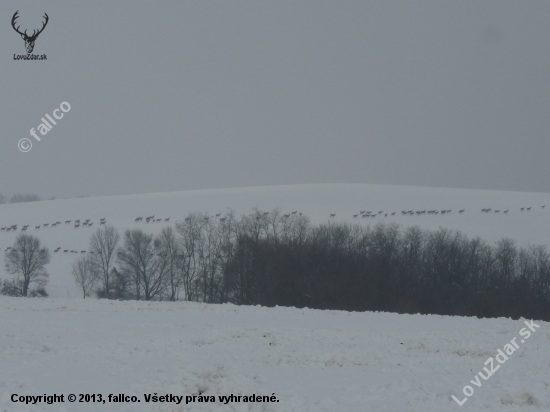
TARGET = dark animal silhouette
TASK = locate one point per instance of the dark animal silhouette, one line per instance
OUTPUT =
(29, 40)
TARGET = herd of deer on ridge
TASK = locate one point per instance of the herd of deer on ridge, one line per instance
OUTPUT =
(153, 219)
(369, 213)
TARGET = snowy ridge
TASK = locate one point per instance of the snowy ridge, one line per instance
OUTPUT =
(316, 201)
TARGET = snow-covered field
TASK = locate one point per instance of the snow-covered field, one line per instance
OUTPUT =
(316, 201)
(310, 360)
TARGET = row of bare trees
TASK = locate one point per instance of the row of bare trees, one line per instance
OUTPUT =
(270, 258)
(20, 198)
(185, 262)
(388, 268)
(188, 261)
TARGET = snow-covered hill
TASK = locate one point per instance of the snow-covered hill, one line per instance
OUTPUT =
(316, 201)
(311, 361)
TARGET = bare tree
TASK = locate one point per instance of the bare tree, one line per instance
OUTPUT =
(169, 248)
(139, 257)
(210, 255)
(85, 274)
(120, 284)
(506, 260)
(104, 244)
(190, 237)
(27, 260)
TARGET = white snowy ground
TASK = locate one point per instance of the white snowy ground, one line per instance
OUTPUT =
(316, 201)
(311, 360)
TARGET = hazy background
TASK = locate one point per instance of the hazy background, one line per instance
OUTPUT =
(176, 95)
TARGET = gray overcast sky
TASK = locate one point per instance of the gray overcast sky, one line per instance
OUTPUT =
(176, 95)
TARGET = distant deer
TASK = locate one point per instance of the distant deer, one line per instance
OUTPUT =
(67, 222)
(333, 215)
(461, 210)
(37, 227)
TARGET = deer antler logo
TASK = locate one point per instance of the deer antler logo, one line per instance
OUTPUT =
(29, 40)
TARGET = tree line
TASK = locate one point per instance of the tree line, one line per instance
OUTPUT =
(20, 198)
(274, 259)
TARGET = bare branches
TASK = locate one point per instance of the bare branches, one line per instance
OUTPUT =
(104, 244)
(27, 260)
(85, 274)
